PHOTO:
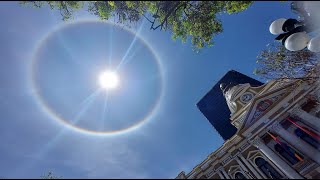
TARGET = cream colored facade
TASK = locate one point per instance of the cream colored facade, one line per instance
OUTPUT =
(259, 149)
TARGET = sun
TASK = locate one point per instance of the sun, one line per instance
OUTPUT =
(108, 80)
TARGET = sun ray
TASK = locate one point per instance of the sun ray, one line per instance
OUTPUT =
(131, 45)
(128, 59)
(68, 50)
(92, 95)
(104, 111)
(85, 104)
(39, 155)
(110, 45)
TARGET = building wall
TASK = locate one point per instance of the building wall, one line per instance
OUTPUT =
(254, 153)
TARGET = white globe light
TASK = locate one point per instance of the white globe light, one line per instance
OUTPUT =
(314, 44)
(108, 80)
(276, 26)
(297, 41)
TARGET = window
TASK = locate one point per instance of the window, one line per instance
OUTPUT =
(290, 157)
(267, 169)
(239, 175)
(309, 105)
(307, 138)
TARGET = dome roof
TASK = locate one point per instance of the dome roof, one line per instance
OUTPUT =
(230, 91)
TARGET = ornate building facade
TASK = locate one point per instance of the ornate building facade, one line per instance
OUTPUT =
(278, 133)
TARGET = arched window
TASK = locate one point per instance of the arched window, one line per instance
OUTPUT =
(267, 169)
(309, 105)
(307, 138)
(239, 175)
(290, 157)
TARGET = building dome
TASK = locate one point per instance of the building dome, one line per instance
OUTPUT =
(230, 91)
(225, 87)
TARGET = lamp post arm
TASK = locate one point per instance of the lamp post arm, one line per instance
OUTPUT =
(284, 36)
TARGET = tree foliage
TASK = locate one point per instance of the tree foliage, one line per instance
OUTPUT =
(276, 62)
(196, 20)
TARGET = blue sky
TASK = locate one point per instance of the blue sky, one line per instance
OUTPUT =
(176, 137)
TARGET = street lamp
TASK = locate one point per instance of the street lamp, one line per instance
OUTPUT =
(294, 33)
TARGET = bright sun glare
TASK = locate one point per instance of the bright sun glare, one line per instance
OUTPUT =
(108, 80)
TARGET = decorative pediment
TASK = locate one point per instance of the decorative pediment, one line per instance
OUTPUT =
(252, 154)
(263, 104)
(280, 84)
(234, 168)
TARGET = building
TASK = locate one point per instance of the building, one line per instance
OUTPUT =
(214, 106)
(278, 133)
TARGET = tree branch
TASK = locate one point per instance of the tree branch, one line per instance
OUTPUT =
(147, 18)
(154, 20)
(67, 12)
(173, 9)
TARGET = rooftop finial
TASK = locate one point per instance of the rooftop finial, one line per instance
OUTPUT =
(222, 86)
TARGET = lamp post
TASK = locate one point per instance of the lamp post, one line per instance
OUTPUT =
(293, 33)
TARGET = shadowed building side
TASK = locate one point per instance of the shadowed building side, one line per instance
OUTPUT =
(214, 107)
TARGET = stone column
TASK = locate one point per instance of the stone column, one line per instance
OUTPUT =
(224, 173)
(305, 116)
(317, 94)
(244, 168)
(221, 176)
(282, 165)
(296, 142)
(252, 169)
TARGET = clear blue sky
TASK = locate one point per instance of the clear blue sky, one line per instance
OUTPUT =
(176, 137)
